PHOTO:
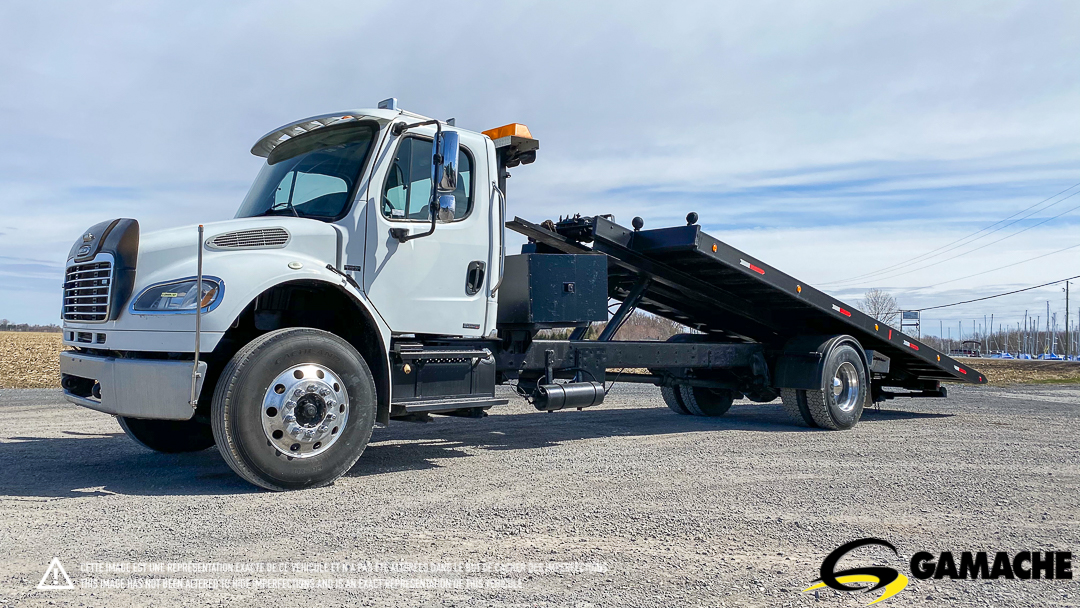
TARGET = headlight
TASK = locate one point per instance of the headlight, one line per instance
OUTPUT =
(179, 296)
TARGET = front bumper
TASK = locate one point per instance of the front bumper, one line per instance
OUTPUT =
(135, 388)
(107, 335)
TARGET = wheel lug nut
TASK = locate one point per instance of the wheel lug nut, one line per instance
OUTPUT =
(294, 431)
(309, 434)
(311, 388)
(290, 418)
(324, 392)
(323, 428)
(298, 393)
(331, 417)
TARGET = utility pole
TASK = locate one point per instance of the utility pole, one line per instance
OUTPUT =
(1068, 336)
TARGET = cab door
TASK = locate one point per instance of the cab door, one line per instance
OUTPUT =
(435, 284)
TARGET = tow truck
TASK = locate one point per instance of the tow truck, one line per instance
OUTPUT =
(365, 279)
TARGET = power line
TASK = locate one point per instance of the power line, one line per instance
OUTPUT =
(872, 275)
(964, 238)
(998, 268)
(962, 254)
(1007, 293)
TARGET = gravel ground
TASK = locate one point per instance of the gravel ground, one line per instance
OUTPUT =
(625, 504)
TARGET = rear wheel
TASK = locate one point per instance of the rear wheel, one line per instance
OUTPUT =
(795, 405)
(701, 401)
(673, 400)
(168, 436)
(761, 394)
(294, 409)
(845, 386)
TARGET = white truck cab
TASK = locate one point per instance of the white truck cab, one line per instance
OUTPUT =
(335, 234)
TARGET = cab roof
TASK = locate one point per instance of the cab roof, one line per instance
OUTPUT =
(273, 139)
(514, 140)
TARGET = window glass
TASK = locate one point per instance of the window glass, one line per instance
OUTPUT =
(419, 180)
(407, 190)
(311, 175)
(395, 199)
(463, 194)
(311, 194)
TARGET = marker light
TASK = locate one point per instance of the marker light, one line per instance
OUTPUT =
(513, 129)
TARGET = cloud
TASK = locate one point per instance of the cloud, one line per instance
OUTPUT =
(829, 138)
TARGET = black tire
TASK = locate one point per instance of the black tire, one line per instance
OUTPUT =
(795, 405)
(762, 395)
(237, 409)
(168, 436)
(673, 400)
(701, 401)
(840, 411)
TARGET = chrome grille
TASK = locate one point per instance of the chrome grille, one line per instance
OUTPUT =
(86, 291)
(255, 238)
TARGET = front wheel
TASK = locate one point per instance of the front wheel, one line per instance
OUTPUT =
(294, 409)
(168, 436)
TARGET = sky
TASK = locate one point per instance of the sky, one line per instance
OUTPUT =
(828, 139)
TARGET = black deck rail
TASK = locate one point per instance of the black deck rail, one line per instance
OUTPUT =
(688, 276)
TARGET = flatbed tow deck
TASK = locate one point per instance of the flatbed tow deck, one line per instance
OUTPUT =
(762, 332)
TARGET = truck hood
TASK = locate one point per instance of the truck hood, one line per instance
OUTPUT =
(247, 255)
(172, 253)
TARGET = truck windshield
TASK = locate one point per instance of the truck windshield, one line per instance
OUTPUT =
(313, 175)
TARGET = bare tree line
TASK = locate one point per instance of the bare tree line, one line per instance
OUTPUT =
(881, 305)
(6, 325)
(639, 325)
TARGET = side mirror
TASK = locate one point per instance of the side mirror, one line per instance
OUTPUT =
(444, 166)
(444, 176)
(446, 207)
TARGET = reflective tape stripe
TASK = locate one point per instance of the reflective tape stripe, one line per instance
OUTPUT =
(756, 269)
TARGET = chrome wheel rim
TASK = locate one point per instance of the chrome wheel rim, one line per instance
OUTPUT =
(845, 387)
(304, 410)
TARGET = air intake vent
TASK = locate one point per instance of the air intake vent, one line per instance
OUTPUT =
(258, 238)
(86, 292)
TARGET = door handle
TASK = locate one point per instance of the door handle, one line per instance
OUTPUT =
(474, 278)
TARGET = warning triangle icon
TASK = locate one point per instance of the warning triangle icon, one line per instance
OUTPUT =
(55, 577)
